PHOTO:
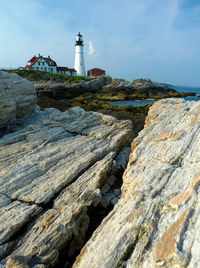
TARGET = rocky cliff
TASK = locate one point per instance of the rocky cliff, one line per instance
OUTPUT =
(59, 178)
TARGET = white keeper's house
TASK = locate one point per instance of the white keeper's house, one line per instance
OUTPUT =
(41, 63)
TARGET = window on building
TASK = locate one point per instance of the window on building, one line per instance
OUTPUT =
(43, 63)
(38, 63)
(51, 69)
(45, 68)
(37, 68)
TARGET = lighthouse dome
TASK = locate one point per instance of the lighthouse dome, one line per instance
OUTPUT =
(79, 37)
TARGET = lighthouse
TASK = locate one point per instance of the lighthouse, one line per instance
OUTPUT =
(79, 57)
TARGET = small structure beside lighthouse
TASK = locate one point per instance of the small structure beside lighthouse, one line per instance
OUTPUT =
(79, 56)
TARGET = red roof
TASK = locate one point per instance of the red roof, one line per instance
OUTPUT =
(66, 69)
(34, 59)
(50, 60)
(62, 68)
(97, 69)
(71, 69)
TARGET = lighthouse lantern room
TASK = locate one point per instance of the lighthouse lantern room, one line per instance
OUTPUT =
(79, 56)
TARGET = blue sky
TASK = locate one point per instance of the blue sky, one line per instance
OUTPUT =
(158, 39)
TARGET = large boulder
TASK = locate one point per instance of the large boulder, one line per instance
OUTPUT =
(51, 176)
(17, 98)
(156, 222)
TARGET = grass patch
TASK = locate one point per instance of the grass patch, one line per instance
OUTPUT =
(36, 74)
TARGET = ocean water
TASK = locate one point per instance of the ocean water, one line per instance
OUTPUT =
(177, 88)
(185, 89)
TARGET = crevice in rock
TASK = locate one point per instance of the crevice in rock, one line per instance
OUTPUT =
(49, 204)
(95, 214)
(31, 203)
(128, 253)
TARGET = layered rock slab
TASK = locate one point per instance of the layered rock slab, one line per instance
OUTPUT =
(56, 164)
(156, 221)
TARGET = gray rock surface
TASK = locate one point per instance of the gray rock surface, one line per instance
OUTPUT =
(156, 221)
(17, 98)
(52, 171)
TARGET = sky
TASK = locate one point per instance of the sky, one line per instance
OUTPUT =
(156, 39)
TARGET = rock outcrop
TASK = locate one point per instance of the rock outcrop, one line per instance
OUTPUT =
(138, 84)
(60, 90)
(17, 98)
(51, 176)
(121, 89)
(156, 222)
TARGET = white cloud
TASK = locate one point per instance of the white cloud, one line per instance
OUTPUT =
(91, 48)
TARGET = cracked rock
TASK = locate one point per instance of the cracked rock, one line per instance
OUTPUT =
(156, 221)
(52, 170)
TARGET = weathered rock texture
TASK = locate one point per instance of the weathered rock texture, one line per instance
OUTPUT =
(59, 168)
(17, 98)
(156, 222)
(52, 172)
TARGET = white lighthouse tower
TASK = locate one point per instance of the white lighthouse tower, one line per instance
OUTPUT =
(79, 57)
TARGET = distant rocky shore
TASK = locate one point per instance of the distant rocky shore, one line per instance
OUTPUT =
(92, 94)
(103, 88)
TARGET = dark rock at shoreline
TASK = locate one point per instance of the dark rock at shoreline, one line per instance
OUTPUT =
(139, 89)
(103, 88)
(70, 90)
